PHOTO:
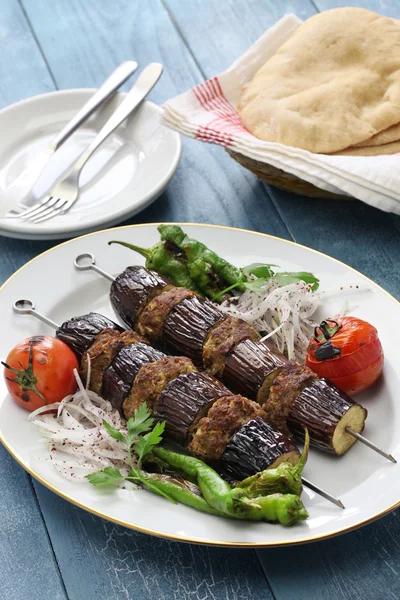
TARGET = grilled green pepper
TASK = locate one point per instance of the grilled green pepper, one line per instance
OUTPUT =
(196, 251)
(166, 259)
(268, 496)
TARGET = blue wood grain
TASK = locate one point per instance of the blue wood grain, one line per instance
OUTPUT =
(389, 8)
(364, 565)
(28, 567)
(102, 560)
(23, 70)
(23, 73)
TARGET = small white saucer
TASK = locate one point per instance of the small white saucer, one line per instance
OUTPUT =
(128, 172)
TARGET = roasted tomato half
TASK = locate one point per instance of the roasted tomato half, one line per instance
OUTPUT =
(39, 371)
(348, 352)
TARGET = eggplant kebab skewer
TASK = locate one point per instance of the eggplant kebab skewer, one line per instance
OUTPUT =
(177, 320)
(226, 430)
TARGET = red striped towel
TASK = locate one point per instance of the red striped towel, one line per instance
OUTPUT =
(208, 113)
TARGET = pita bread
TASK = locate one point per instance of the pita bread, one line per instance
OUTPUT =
(333, 84)
(392, 134)
(392, 148)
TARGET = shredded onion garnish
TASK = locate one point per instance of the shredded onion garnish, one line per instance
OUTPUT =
(285, 313)
(75, 427)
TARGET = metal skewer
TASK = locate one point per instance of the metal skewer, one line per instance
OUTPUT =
(27, 307)
(322, 493)
(82, 264)
(371, 445)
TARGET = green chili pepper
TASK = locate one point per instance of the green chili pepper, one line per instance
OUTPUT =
(178, 491)
(165, 260)
(238, 502)
(287, 509)
(206, 279)
(195, 250)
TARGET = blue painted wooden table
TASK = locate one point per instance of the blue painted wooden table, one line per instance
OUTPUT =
(50, 549)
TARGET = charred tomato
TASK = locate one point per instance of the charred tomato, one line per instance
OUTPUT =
(39, 371)
(348, 352)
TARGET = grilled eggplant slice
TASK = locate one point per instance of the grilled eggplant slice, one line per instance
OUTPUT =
(255, 447)
(132, 289)
(120, 375)
(213, 432)
(251, 368)
(283, 392)
(79, 333)
(222, 340)
(152, 379)
(152, 319)
(185, 401)
(326, 411)
(188, 325)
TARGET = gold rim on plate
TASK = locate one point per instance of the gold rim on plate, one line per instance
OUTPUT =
(179, 538)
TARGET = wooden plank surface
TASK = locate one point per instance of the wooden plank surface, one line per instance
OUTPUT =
(389, 8)
(99, 560)
(25, 549)
(28, 566)
(82, 43)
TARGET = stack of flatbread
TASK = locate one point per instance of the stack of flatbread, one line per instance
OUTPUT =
(332, 88)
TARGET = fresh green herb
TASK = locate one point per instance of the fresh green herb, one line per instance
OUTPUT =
(148, 441)
(259, 270)
(108, 476)
(285, 278)
(140, 423)
(114, 433)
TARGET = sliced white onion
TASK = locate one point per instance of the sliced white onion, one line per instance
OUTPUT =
(284, 313)
(78, 441)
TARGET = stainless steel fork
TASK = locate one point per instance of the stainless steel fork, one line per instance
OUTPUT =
(65, 193)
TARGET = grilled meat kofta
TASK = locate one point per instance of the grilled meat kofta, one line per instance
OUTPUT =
(200, 413)
(153, 317)
(230, 349)
(101, 354)
(212, 433)
(152, 379)
(222, 340)
(118, 378)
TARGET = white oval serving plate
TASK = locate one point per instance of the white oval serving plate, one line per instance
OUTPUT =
(368, 485)
(124, 176)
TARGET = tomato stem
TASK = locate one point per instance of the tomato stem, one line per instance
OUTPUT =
(324, 331)
(25, 377)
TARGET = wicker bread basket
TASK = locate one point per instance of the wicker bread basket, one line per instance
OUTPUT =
(282, 180)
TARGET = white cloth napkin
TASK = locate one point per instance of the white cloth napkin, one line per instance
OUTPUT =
(208, 112)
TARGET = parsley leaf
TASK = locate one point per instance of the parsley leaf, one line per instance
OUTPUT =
(114, 433)
(141, 422)
(109, 476)
(259, 270)
(146, 443)
(285, 278)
